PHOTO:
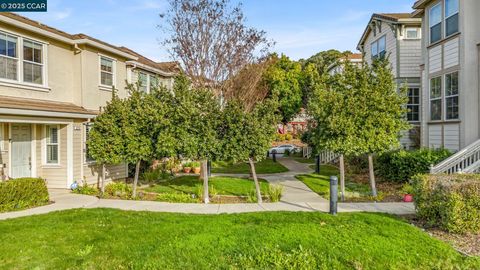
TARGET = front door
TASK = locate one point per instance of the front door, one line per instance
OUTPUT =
(21, 150)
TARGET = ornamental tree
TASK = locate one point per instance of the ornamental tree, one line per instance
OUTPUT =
(358, 112)
(283, 80)
(106, 137)
(247, 135)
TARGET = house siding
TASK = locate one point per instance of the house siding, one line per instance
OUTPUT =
(410, 58)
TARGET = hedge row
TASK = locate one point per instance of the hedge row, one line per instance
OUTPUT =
(401, 166)
(449, 201)
(22, 193)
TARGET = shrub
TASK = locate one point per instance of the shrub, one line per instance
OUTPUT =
(85, 189)
(400, 166)
(449, 201)
(288, 137)
(156, 175)
(22, 193)
(176, 198)
(274, 192)
(118, 189)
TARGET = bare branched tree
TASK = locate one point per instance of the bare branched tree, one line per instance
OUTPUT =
(211, 41)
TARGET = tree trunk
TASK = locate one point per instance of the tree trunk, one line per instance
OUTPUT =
(342, 177)
(203, 171)
(102, 188)
(135, 179)
(372, 175)
(254, 175)
(204, 174)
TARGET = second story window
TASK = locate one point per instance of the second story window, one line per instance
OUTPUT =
(107, 72)
(8, 57)
(451, 17)
(412, 33)
(32, 62)
(436, 98)
(379, 48)
(451, 96)
(435, 23)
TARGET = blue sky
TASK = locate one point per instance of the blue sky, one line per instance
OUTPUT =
(300, 28)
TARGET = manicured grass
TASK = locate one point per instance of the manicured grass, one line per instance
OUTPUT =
(114, 239)
(320, 183)
(264, 166)
(222, 185)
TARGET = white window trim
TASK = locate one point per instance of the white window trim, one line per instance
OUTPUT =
(444, 15)
(456, 95)
(19, 81)
(2, 137)
(377, 43)
(114, 71)
(44, 147)
(416, 104)
(430, 99)
(419, 33)
(148, 82)
(85, 161)
(441, 21)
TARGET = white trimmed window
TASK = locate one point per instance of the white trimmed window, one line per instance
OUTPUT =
(52, 144)
(451, 96)
(22, 60)
(436, 98)
(107, 72)
(143, 82)
(8, 57)
(412, 33)
(88, 157)
(413, 105)
(451, 17)
(435, 23)
(147, 82)
(379, 48)
(2, 137)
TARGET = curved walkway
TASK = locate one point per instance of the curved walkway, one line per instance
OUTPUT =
(296, 197)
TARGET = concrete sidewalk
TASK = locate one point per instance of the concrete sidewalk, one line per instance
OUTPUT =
(65, 200)
(296, 197)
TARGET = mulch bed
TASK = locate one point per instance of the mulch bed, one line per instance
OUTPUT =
(468, 244)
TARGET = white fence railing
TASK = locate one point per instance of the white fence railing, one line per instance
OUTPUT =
(466, 160)
(327, 157)
(307, 152)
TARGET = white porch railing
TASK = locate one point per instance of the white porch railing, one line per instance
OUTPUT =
(327, 157)
(466, 160)
(307, 152)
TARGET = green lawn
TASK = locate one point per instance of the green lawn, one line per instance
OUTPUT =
(222, 185)
(320, 183)
(264, 166)
(114, 239)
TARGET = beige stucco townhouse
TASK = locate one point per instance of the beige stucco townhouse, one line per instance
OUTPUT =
(52, 85)
(398, 37)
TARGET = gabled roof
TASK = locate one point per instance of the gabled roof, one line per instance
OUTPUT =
(393, 18)
(169, 67)
(26, 23)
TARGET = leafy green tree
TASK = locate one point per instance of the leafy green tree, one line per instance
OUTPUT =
(247, 135)
(106, 138)
(358, 112)
(139, 129)
(283, 81)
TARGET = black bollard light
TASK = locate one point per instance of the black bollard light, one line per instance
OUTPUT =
(274, 155)
(209, 168)
(317, 164)
(333, 194)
